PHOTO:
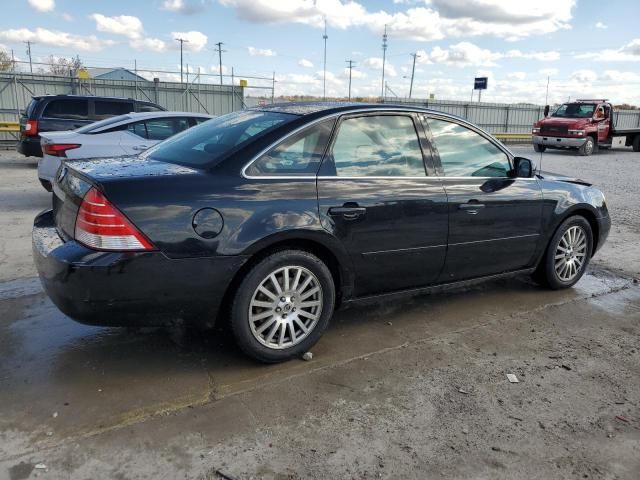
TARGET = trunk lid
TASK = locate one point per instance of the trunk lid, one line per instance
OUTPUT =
(75, 178)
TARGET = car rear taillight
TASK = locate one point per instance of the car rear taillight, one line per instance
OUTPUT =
(59, 149)
(101, 226)
(31, 128)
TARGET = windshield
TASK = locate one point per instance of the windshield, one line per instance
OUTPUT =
(211, 140)
(102, 123)
(575, 110)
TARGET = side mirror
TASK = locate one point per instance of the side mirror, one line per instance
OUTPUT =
(546, 110)
(522, 167)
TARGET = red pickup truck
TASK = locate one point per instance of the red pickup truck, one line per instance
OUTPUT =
(585, 125)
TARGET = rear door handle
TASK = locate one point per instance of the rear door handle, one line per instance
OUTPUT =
(347, 212)
(140, 147)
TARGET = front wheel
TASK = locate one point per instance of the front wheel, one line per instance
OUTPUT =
(539, 148)
(567, 255)
(587, 148)
(282, 306)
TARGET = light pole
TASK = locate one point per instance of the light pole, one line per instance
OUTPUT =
(384, 57)
(29, 53)
(182, 41)
(413, 71)
(324, 69)
(351, 64)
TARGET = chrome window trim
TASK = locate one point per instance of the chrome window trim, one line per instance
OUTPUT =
(390, 108)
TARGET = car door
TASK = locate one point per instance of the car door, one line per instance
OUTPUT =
(133, 138)
(375, 196)
(494, 219)
(605, 124)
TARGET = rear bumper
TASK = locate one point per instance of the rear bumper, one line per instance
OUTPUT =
(29, 146)
(558, 142)
(128, 289)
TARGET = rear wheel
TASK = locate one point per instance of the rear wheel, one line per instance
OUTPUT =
(282, 306)
(587, 148)
(567, 255)
(539, 148)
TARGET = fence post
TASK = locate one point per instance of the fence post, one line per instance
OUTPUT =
(506, 121)
(156, 93)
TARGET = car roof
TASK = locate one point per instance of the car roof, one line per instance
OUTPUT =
(143, 115)
(310, 108)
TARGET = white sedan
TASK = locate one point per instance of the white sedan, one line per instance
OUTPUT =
(118, 136)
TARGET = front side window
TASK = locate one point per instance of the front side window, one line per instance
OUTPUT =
(465, 153)
(210, 141)
(378, 146)
(300, 154)
(105, 108)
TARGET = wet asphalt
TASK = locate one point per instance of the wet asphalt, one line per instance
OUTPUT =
(409, 389)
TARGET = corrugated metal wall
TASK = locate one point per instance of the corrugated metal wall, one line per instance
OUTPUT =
(16, 92)
(506, 118)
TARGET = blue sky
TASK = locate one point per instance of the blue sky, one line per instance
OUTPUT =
(586, 47)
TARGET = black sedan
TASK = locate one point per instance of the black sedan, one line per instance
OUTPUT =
(271, 217)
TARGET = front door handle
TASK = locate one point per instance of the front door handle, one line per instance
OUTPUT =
(347, 211)
(472, 207)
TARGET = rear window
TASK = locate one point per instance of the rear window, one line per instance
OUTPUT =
(75, 109)
(212, 140)
(102, 124)
(106, 108)
(30, 108)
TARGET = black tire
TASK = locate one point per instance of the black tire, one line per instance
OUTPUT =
(636, 143)
(546, 273)
(240, 309)
(588, 147)
(539, 148)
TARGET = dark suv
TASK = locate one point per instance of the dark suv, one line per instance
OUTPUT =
(67, 112)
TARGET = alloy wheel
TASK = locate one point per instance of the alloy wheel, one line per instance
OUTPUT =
(285, 307)
(570, 253)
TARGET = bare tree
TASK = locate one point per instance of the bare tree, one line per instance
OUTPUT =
(62, 66)
(5, 61)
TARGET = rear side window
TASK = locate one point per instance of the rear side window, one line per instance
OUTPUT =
(300, 154)
(105, 108)
(160, 128)
(71, 108)
(378, 146)
(138, 128)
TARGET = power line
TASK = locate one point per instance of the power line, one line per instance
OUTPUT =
(351, 64)
(220, 50)
(413, 71)
(182, 41)
(384, 57)
(324, 69)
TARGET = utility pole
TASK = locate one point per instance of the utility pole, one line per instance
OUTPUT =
(384, 57)
(182, 41)
(324, 68)
(28, 42)
(351, 64)
(413, 71)
(219, 50)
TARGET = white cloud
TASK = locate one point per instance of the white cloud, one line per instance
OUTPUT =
(548, 56)
(186, 7)
(601, 25)
(56, 38)
(149, 43)
(119, 25)
(303, 62)
(43, 5)
(627, 53)
(442, 18)
(517, 75)
(67, 17)
(617, 76)
(195, 41)
(584, 76)
(375, 63)
(261, 52)
(549, 72)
